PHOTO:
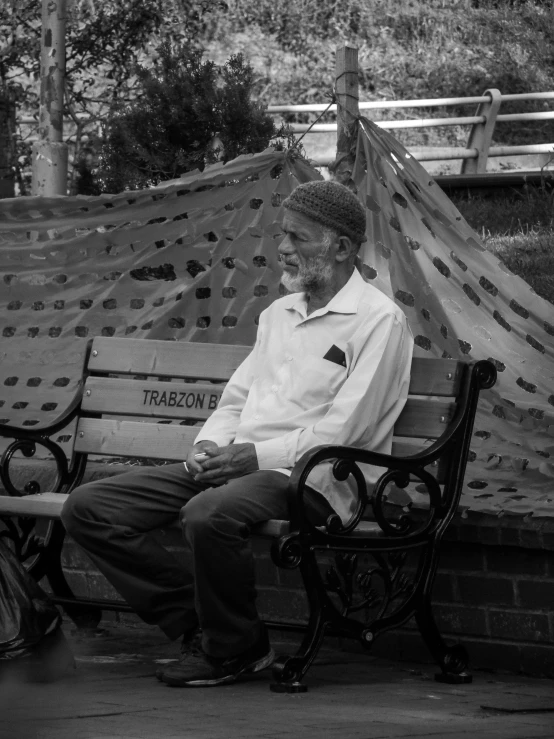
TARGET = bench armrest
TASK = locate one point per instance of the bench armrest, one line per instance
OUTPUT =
(26, 440)
(345, 462)
(454, 443)
(40, 432)
(288, 550)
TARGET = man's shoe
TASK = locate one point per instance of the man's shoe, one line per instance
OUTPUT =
(191, 640)
(197, 669)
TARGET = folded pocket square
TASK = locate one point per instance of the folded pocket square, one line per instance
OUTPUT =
(336, 355)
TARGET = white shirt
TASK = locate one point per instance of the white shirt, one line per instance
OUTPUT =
(286, 398)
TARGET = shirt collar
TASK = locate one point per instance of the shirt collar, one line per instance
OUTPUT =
(345, 301)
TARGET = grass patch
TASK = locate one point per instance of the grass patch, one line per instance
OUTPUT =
(525, 210)
(518, 227)
(531, 256)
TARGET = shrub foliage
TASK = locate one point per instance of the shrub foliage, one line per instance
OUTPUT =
(188, 113)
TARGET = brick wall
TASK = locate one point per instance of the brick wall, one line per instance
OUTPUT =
(281, 597)
(494, 592)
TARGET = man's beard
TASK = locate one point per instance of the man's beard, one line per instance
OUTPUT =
(313, 278)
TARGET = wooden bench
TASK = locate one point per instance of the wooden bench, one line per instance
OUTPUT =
(145, 399)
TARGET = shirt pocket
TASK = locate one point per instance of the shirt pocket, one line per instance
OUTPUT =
(317, 381)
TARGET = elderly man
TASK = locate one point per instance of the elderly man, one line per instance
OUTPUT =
(330, 365)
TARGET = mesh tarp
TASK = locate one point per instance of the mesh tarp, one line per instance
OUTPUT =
(192, 260)
(462, 302)
(196, 260)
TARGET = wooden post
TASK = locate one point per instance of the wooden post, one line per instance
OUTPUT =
(346, 90)
(50, 152)
(480, 136)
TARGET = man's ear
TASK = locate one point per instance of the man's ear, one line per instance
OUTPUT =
(345, 249)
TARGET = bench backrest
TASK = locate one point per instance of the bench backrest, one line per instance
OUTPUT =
(147, 399)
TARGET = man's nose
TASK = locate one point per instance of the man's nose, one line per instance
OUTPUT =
(285, 247)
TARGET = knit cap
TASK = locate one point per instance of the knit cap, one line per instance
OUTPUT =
(330, 204)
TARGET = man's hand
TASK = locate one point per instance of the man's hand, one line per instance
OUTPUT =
(193, 465)
(226, 463)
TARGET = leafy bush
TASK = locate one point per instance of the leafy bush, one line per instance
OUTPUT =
(188, 113)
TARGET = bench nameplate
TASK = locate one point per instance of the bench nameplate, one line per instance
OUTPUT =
(118, 396)
(178, 399)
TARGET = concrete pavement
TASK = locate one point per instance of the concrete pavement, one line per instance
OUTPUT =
(113, 694)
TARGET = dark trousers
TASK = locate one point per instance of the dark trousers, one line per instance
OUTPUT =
(112, 520)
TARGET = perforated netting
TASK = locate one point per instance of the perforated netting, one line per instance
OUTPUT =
(192, 260)
(462, 302)
(196, 260)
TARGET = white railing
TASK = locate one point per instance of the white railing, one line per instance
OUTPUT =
(418, 103)
(474, 156)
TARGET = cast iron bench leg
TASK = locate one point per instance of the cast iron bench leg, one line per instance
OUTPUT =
(84, 616)
(288, 671)
(452, 660)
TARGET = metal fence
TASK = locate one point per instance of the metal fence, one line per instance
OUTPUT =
(478, 150)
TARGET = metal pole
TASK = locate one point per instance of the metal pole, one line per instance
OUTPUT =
(7, 129)
(50, 152)
(346, 90)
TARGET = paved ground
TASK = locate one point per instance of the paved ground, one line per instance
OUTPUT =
(113, 693)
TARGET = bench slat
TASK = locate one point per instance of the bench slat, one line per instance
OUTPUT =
(165, 358)
(134, 439)
(409, 447)
(218, 362)
(421, 418)
(161, 440)
(49, 505)
(198, 400)
(108, 437)
(435, 376)
(151, 398)
(41, 505)
(424, 418)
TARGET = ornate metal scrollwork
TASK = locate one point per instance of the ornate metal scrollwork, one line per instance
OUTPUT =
(333, 524)
(342, 469)
(371, 590)
(404, 524)
(28, 449)
(286, 551)
(486, 374)
(29, 545)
